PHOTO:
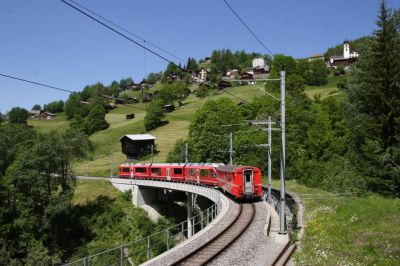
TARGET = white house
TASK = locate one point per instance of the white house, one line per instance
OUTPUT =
(260, 63)
(203, 74)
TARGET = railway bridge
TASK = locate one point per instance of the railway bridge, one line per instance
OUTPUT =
(210, 233)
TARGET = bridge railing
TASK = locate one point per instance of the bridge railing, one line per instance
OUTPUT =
(143, 249)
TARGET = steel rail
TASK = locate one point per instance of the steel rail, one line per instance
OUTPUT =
(219, 243)
(283, 257)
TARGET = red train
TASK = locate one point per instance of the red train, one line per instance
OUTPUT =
(239, 181)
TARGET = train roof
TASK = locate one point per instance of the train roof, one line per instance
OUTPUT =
(231, 168)
(173, 164)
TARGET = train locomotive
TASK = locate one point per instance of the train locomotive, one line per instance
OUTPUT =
(242, 182)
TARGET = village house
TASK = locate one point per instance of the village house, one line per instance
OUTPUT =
(260, 68)
(316, 57)
(40, 114)
(203, 74)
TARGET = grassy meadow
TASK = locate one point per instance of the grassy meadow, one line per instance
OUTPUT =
(90, 190)
(342, 230)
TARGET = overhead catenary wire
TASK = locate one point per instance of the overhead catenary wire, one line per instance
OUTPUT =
(36, 83)
(248, 28)
(129, 32)
(140, 45)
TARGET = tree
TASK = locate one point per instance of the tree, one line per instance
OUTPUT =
(95, 120)
(154, 114)
(54, 107)
(37, 187)
(74, 107)
(283, 62)
(173, 69)
(319, 73)
(374, 91)
(37, 107)
(18, 115)
(177, 154)
(191, 65)
(207, 139)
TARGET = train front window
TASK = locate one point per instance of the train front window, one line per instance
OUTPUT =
(140, 170)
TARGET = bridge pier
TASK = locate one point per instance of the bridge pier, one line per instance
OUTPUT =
(190, 214)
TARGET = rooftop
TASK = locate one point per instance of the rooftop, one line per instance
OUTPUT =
(139, 137)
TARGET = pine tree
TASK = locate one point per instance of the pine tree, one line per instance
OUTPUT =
(376, 90)
(375, 95)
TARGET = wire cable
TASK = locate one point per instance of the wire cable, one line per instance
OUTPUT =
(142, 46)
(36, 83)
(117, 32)
(248, 28)
(127, 31)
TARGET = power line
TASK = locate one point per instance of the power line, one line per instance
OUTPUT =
(129, 32)
(36, 83)
(142, 46)
(248, 28)
(117, 32)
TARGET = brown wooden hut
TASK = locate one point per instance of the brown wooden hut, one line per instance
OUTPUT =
(136, 145)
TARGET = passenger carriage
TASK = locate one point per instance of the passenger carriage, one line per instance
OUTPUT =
(204, 174)
(240, 181)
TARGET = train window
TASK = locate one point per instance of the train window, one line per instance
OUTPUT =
(156, 171)
(204, 172)
(140, 170)
(125, 169)
(213, 174)
(177, 171)
(192, 172)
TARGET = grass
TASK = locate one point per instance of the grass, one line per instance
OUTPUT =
(58, 123)
(327, 90)
(90, 190)
(348, 231)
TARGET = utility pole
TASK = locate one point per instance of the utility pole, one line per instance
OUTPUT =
(269, 156)
(283, 150)
(186, 153)
(230, 149)
(152, 153)
(112, 164)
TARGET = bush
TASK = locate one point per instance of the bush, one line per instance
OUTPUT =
(95, 120)
(154, 115)
(202, 91)
(18, 115)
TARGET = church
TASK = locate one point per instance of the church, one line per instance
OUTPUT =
(346, 59)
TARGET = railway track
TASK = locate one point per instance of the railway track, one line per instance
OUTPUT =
(215, 246)
(283, 257)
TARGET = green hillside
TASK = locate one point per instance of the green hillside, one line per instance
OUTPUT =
(106, 142)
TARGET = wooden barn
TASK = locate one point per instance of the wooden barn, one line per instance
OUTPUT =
(137, 145)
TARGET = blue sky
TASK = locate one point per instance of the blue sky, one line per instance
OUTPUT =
(46, 41)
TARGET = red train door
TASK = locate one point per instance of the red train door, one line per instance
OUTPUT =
(248, 181)
(168, 174)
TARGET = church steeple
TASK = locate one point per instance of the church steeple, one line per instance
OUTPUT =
(346, 49)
